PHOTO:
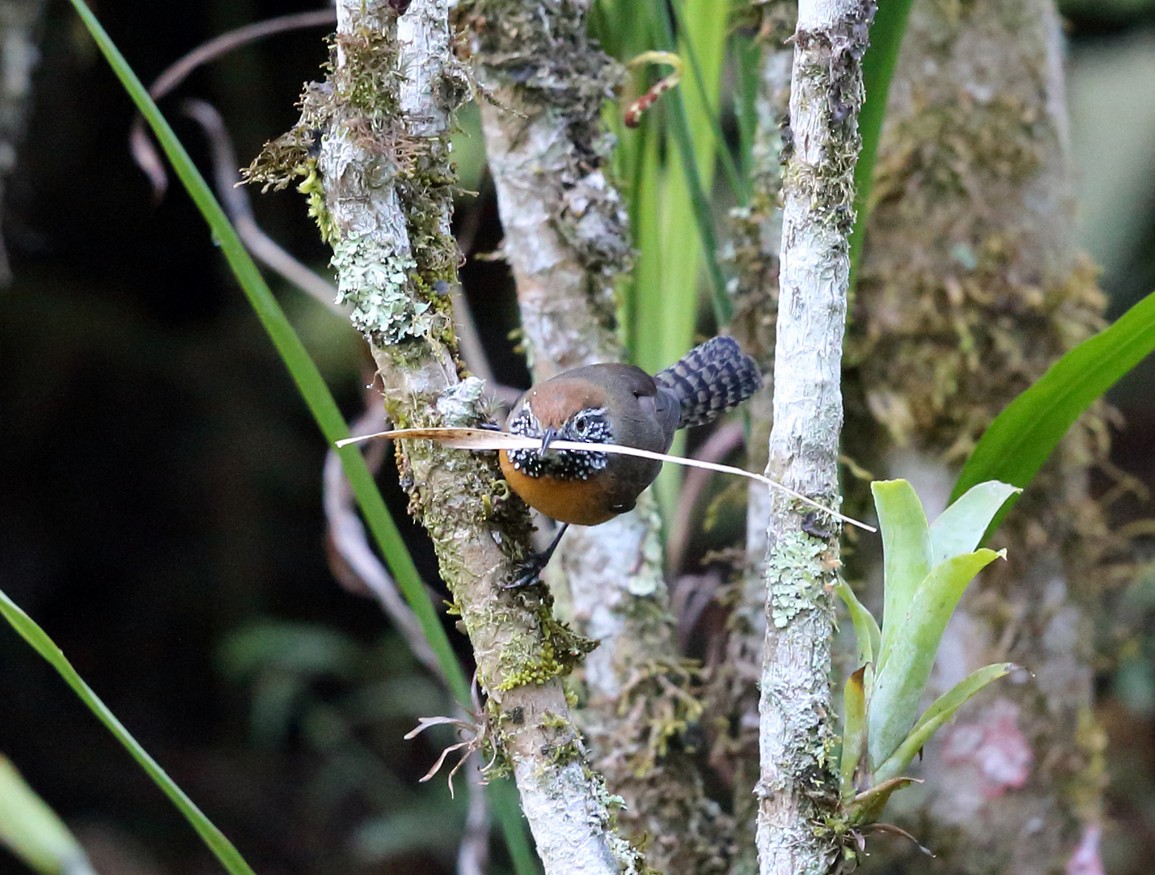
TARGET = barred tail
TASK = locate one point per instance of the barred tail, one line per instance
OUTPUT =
(710, 379)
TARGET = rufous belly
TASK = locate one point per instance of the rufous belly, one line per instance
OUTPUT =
(580, 502)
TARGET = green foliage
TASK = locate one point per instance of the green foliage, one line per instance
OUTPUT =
(344, 701)
(33, 831)
(877, 70)
(213, 838)
(1024, 435)
(283, 664)
(667, 169)
(926, 570)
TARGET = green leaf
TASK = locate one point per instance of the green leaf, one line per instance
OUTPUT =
(695, 130)
(324, 409)
(33, 832)
(943, 709)
(868, 805)
(228, 855)
(915, 636)
(886, 33)
(853, 731)
(867, 636)
(906, 555)
(1018, 442)
(960, 528)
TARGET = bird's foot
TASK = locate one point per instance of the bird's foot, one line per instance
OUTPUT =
(528, 571)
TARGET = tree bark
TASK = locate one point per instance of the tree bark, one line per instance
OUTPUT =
(387, 180)
(567, 242)
(970, 288)
(796, 736)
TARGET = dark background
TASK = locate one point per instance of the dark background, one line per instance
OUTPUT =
(160, 508)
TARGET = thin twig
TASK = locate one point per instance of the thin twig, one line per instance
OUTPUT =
(349, 541)
(141, 147)
(236, 203)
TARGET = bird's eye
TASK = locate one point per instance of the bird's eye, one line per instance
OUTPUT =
(581, 424)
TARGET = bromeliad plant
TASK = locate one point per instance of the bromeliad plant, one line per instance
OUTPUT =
(926, 569)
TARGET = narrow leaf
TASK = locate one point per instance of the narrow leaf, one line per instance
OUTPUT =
(33, 832)
(943, 709)
(1016, 444)
(868, 805)
(853, 732)
(960, 528)
(228, 855)
(321, 405)
(906, 555)
(898, 686)
(867, 636)
(693, 119)
(886, 33)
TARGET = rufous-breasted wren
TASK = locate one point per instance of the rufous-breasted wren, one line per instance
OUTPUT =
(616, 404)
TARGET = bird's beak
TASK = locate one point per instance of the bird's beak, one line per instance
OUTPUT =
(547, 438)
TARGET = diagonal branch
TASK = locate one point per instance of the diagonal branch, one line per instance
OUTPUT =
(385, 208)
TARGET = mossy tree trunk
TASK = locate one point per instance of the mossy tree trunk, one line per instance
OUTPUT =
(801, 563)
(970, 287)
(567, 242)
(385, 208)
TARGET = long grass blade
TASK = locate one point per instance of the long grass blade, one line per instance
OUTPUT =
(1022, 437)
(320, 402)
(878, 65)
(213, 838)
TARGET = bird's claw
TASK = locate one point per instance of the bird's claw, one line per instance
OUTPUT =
(528, 571)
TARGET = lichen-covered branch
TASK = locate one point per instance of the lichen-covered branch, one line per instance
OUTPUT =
(802, 552)
(383, 201)
(567, 242)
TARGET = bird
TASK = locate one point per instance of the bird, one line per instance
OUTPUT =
(613, 403)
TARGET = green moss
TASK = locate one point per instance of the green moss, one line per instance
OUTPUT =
(369, 80)
(538, 661)
(314, 191)
(293, 154)
(657, 708)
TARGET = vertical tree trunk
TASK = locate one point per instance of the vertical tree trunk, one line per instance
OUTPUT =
(567, 242)
(796, 734)
(970, 287)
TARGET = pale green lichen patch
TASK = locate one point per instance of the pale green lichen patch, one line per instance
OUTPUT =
(648, 581)
(377, 287)
(792, 578)
(459, 404)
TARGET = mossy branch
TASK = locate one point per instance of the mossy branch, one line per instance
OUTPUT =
(384, 204)
(568, 245)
